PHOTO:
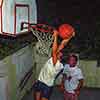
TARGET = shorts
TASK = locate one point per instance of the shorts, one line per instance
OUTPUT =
(43, 88)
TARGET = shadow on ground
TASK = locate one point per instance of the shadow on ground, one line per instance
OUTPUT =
(86, 94)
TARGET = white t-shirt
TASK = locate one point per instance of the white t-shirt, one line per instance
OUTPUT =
(76, 74)
(49, 71)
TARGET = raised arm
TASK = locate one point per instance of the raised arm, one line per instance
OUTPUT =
(64, 42)
(55, 47)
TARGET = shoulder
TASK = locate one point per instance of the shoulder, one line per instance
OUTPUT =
(61, 65)
(66, 66)
(79, 73)
(49, 61)
(78, 70)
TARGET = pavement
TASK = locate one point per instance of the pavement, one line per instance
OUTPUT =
(86, 94)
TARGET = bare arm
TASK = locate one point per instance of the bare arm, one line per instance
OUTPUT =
(80, 85)
(61, 86)
(55, 47)
(62, 45)
(64, 42)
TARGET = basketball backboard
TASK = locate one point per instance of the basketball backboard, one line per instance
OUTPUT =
(14, 12)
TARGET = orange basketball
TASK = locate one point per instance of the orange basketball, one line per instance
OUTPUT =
(65, 31)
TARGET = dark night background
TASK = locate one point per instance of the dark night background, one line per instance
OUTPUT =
(83, 15)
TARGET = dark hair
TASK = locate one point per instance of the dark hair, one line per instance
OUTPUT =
(73, 55)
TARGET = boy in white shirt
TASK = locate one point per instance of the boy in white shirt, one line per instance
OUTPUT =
(72, 79)
(51, 68)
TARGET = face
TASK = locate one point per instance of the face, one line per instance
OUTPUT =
(72, 61)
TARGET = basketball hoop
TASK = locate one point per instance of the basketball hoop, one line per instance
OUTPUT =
(45, 38)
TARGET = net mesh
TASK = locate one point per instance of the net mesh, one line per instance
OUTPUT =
(45, 39)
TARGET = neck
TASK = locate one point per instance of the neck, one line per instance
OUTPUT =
(72, 66)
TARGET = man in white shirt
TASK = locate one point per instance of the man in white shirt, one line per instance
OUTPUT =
(72, 78)
(51, 68)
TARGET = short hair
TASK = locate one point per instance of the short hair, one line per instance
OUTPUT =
(73, 55)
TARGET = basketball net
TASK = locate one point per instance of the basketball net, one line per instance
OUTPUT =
(44, 37)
